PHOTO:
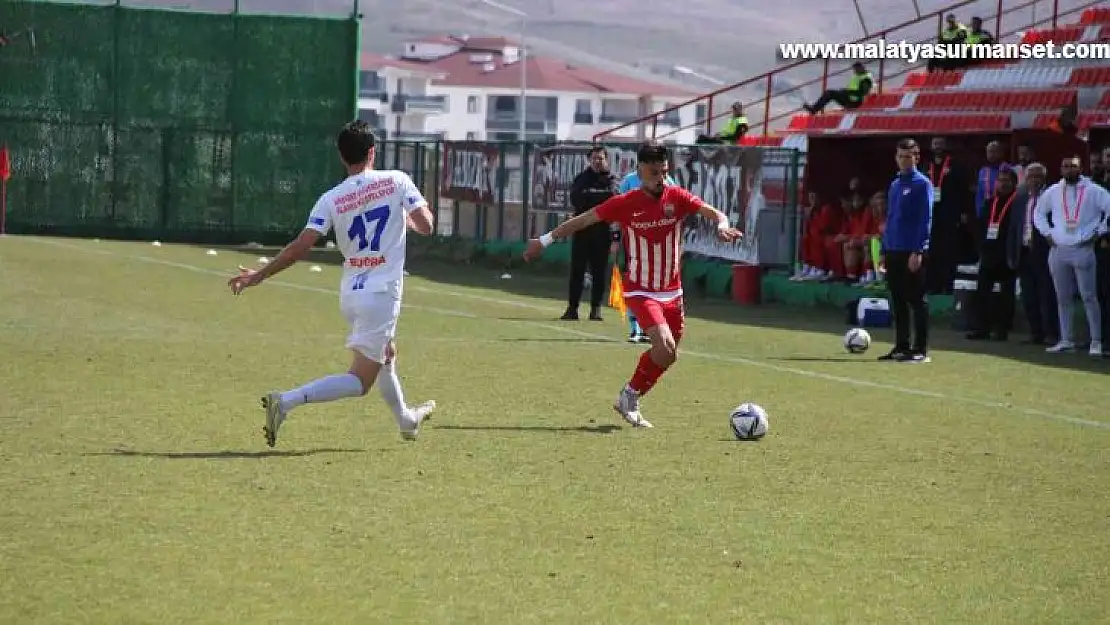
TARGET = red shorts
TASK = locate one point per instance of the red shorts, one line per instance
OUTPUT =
(650, 313)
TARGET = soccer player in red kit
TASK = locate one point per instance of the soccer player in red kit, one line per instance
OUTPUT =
(650, 219)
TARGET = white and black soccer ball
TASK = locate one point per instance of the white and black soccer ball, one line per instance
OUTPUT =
(857, 340)
(749, 422)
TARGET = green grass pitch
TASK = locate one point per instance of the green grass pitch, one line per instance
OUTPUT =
(135, 486)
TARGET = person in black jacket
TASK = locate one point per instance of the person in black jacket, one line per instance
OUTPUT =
(999, 249)
(951, 238)
(1038, 293)
(590, 247)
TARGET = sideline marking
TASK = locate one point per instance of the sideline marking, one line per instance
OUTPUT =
(972, 401)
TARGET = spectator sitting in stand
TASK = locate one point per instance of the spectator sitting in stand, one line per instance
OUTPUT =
(853, 218)
(870, 245)
(953, 33)
(734, 129)
(1065, 122)
(851, 97)
(815, 217)
(828, 224)
(859, 228)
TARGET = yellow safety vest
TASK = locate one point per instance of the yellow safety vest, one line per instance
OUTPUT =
(732, 127)
(973, 38)
(854, 84)
(950, 34)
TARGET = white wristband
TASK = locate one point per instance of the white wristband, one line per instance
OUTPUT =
(546, 239)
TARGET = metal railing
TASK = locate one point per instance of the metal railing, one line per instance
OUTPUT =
(652, 121)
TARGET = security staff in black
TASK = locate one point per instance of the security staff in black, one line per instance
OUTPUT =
(905, 243)
(590, 247)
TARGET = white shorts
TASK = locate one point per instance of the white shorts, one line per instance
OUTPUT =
(372, 316)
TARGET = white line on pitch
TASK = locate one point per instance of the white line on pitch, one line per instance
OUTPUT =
(962, 399)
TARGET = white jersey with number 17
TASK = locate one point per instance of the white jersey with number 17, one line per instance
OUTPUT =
(368, 211)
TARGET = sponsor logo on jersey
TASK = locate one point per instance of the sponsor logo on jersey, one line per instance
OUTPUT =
(366, 262)
(361, 197)
(658, 223)
(668, 210)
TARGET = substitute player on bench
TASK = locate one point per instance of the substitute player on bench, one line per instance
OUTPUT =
(651, 224)
(371, 212)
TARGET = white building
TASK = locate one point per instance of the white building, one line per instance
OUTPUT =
(469, 88)
(394, 97)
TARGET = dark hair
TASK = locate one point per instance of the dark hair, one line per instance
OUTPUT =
(652, 151)
(909, 144)
(355, 140)
(1009, 173)
(595, 150)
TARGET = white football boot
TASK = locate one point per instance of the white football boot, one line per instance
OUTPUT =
(275, 416)
(628, 405)
(410, 427)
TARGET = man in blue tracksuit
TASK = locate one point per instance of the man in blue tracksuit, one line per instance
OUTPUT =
(904, 246)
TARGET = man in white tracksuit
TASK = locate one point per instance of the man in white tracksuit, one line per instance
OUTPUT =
(1078, 210)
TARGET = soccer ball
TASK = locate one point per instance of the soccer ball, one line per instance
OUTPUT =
(857, 340)
(749, 422)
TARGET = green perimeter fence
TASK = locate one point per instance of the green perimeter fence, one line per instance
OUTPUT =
(496, 194)
(140, 123)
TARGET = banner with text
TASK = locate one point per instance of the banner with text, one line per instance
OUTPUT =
(729, 179)
(469, 171)
(555, 167)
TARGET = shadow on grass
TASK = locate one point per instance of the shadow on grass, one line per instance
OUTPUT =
(585, 429)
(222, 455)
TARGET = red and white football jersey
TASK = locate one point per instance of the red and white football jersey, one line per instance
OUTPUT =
(651, 233)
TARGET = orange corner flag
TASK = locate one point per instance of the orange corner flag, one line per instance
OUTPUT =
(616, 291)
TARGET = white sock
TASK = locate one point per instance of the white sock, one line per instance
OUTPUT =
(330, 388)
(390, 387)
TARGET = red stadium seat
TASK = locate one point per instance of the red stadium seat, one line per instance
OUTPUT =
(882, 101)
(804, 122)
(1061, 34)
(918, 81)
(1090, 76)
(1085, 120)
(1095, 15)
(953, 100)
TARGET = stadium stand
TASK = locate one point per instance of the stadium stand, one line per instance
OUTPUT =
(1017, 102)
(992, 96)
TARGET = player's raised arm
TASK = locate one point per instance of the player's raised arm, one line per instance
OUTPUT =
(565, 229)
(319, 224)
(296, 250)
(691, 204)
(725, 231)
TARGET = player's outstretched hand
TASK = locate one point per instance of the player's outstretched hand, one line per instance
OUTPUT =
(728, 235)
(245, 278)
(533, 251)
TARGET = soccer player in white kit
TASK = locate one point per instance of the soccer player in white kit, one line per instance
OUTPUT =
(371, 212)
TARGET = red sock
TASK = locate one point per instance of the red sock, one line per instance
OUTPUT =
(647, 374)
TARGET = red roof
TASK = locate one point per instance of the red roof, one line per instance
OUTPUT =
(544, 73)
